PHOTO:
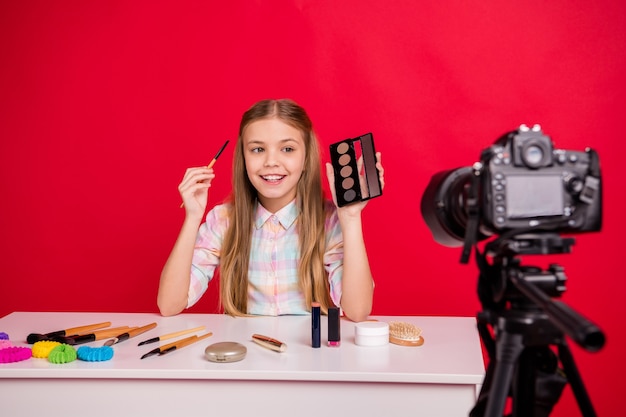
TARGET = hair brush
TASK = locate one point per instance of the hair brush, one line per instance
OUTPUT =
(405, 334)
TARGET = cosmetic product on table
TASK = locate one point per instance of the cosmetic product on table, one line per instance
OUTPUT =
(371, 333)
(316, 325)
(91, 337)
(225, 352)
(171, 335)
(179, 344)
(36, 337)
(131, 333)
(269, 343)
(334, 329)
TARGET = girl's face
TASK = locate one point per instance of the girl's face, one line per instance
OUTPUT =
(274, 153)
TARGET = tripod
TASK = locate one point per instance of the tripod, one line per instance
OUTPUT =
(528, 325)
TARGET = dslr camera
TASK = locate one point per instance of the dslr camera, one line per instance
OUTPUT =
(522, 184)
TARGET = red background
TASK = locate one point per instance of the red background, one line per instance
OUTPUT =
(104, 104)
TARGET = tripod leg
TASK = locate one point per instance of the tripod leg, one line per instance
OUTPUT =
(509, 347)
(538, 383)
(479, 408)
(524, 384)
(575, 380)
(485, 335)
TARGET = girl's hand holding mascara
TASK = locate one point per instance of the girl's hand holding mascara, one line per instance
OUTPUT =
(194, 189)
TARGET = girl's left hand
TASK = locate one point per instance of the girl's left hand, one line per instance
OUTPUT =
(355, 208)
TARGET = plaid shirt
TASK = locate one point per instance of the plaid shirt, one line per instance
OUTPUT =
(274, 257)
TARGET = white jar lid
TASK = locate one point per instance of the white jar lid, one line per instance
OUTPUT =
(372, 328)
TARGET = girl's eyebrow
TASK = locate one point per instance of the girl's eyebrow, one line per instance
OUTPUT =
(261, 142)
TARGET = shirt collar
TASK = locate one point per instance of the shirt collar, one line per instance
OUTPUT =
(286, 216)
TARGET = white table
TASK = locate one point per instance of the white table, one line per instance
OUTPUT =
(440, 378)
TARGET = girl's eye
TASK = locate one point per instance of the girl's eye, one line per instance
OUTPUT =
(288, 149)
(256, 150)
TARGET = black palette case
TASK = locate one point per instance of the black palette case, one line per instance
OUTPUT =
(348, 157)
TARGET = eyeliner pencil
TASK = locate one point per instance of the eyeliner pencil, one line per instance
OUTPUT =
(171, 335)
(213, 161)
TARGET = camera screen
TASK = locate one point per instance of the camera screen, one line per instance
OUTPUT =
(534, 196)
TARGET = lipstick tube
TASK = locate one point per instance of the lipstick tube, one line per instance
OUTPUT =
(316, 327)
(334, 330)
(269, 343)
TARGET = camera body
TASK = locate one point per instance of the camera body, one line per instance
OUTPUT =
(527, 183)
(522, 183)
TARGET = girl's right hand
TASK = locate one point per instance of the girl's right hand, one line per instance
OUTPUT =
(194, 189)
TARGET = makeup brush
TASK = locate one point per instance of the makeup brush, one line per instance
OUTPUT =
(90, 337)
(36, 337)
(212, 162)
(184, 342)
(171, 335)
(131, 333)
(162, 350)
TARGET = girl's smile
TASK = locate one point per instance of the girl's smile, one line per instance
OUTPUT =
(273, 178)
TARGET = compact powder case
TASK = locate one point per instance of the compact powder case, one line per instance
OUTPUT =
(346, 157)
(225, 352)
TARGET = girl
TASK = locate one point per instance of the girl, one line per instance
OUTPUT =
(279, 244)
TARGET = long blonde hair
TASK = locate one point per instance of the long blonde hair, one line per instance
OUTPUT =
(235, 253)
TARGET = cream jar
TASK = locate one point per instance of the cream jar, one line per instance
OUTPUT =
(371, 333)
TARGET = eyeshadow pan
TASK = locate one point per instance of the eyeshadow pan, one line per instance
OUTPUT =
(346, 171)
(343, 147)
(344, 159)
(349, 195)
(347, 183)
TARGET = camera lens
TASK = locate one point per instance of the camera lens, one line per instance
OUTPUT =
(444, 206)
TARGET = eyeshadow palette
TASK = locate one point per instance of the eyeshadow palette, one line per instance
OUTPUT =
(356, 175)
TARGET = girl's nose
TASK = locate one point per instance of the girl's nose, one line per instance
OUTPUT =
(270, 159)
